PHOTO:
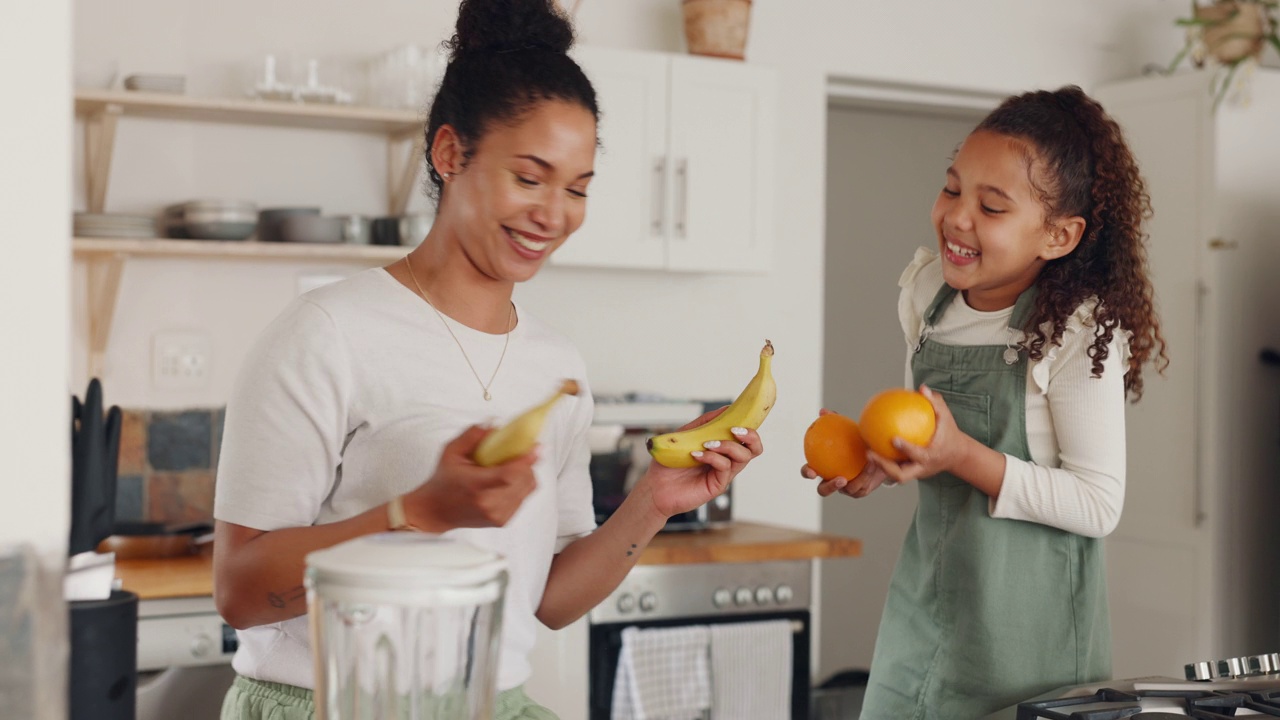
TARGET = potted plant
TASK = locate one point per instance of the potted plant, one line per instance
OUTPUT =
(717, 28)
(1230, 34)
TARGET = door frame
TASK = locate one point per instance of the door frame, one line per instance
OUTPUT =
(846, 92)
(861, 92)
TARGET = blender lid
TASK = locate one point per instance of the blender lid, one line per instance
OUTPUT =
(405, 559)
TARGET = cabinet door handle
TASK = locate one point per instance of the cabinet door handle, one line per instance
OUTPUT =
(682, 177)
(659, 200)
(1198, 512)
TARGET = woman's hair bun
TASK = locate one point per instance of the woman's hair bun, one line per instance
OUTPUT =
(510, 26)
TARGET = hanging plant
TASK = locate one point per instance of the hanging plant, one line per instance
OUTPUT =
(1230, 35)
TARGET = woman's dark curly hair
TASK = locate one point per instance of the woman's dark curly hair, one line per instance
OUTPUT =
(505, 57)
(1080, 165)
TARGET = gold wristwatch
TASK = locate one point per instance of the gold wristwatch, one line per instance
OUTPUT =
(395, 515)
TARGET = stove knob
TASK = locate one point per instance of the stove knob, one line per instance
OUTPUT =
(783, 593)
(201, 645)
(742, 597)
(648, 602)
(1259, 664)
(1230, 668)
(1200, 671)
(764, 595)
(626, 603)
(721, 597)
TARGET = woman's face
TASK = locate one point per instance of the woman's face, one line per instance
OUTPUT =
(524, 190)
(990, 224)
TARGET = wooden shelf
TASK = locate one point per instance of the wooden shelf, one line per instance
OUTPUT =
(382, 121)
(230, 250)
(102, 110)
(105, 258)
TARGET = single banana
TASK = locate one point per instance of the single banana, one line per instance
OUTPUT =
(520, 435)
(749, 411)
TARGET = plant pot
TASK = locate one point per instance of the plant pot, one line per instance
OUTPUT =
(1233, 30)
(717, 27)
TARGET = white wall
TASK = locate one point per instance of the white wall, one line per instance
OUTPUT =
(719, 322)
(34, 314)
(35, 200)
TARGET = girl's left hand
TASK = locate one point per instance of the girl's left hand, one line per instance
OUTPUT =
(677, 490)
(943, 453)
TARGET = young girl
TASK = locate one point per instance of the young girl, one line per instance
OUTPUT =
(358, 410)
(1026, 330)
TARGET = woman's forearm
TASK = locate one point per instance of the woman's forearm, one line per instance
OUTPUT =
(258, 575)
(585, 572)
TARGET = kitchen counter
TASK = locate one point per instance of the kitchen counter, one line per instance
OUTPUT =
(192, 576)
(746, 542)
(187, 576)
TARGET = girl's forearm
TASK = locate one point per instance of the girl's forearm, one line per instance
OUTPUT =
(981, 467)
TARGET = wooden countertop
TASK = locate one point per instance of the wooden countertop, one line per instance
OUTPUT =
(192, 576)
(746, 542)
(187, 576)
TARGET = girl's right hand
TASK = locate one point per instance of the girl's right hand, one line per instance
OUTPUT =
(461, 493)
(871, 477)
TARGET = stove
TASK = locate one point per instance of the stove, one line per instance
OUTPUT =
(1216, 690)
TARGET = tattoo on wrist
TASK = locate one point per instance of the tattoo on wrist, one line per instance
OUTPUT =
(632, 551)
(280, 600)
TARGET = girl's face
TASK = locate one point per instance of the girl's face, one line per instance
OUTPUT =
(991, 226)
(524, 190)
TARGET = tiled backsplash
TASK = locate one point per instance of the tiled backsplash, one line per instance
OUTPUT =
(167, 464)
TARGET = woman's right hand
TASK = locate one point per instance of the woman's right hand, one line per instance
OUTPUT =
(461, 493)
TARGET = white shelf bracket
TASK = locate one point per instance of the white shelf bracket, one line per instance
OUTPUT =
(103, 286)
(402, 175)
(99, 143)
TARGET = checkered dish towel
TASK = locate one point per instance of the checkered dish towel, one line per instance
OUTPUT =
(751, 670)
(663, 674)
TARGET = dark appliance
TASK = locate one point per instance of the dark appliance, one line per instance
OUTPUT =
(614, 473)
(655, 596)
(104, 658)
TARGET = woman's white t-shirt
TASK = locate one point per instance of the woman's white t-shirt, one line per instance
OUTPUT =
(348, 399)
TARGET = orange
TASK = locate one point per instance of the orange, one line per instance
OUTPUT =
(897, 412)
(834, 448)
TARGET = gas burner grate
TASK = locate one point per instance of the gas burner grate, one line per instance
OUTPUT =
(1106, 704)
(1109, 704)
(1223, 705)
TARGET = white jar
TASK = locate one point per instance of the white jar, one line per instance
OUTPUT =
(405, 626)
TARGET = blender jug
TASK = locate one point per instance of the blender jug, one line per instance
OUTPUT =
(405, 626)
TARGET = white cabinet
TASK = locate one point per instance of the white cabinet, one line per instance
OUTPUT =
(685, 174)
(1192, 564)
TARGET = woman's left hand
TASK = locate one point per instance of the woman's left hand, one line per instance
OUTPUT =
(943, 453)
(677, 490)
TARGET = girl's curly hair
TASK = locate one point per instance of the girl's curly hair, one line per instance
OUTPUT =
(1081, 166)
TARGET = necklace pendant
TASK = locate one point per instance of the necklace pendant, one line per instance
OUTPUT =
(487, 396)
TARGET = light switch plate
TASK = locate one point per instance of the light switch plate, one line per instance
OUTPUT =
(180, 360)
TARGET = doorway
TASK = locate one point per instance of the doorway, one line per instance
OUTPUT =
(885, 165)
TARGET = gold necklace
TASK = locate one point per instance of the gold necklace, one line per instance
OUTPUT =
(510, 313)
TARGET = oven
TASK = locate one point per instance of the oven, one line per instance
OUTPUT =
(184, 659)
(654, 596)
(1214, 690)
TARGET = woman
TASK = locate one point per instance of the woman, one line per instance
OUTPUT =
(362, 390)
